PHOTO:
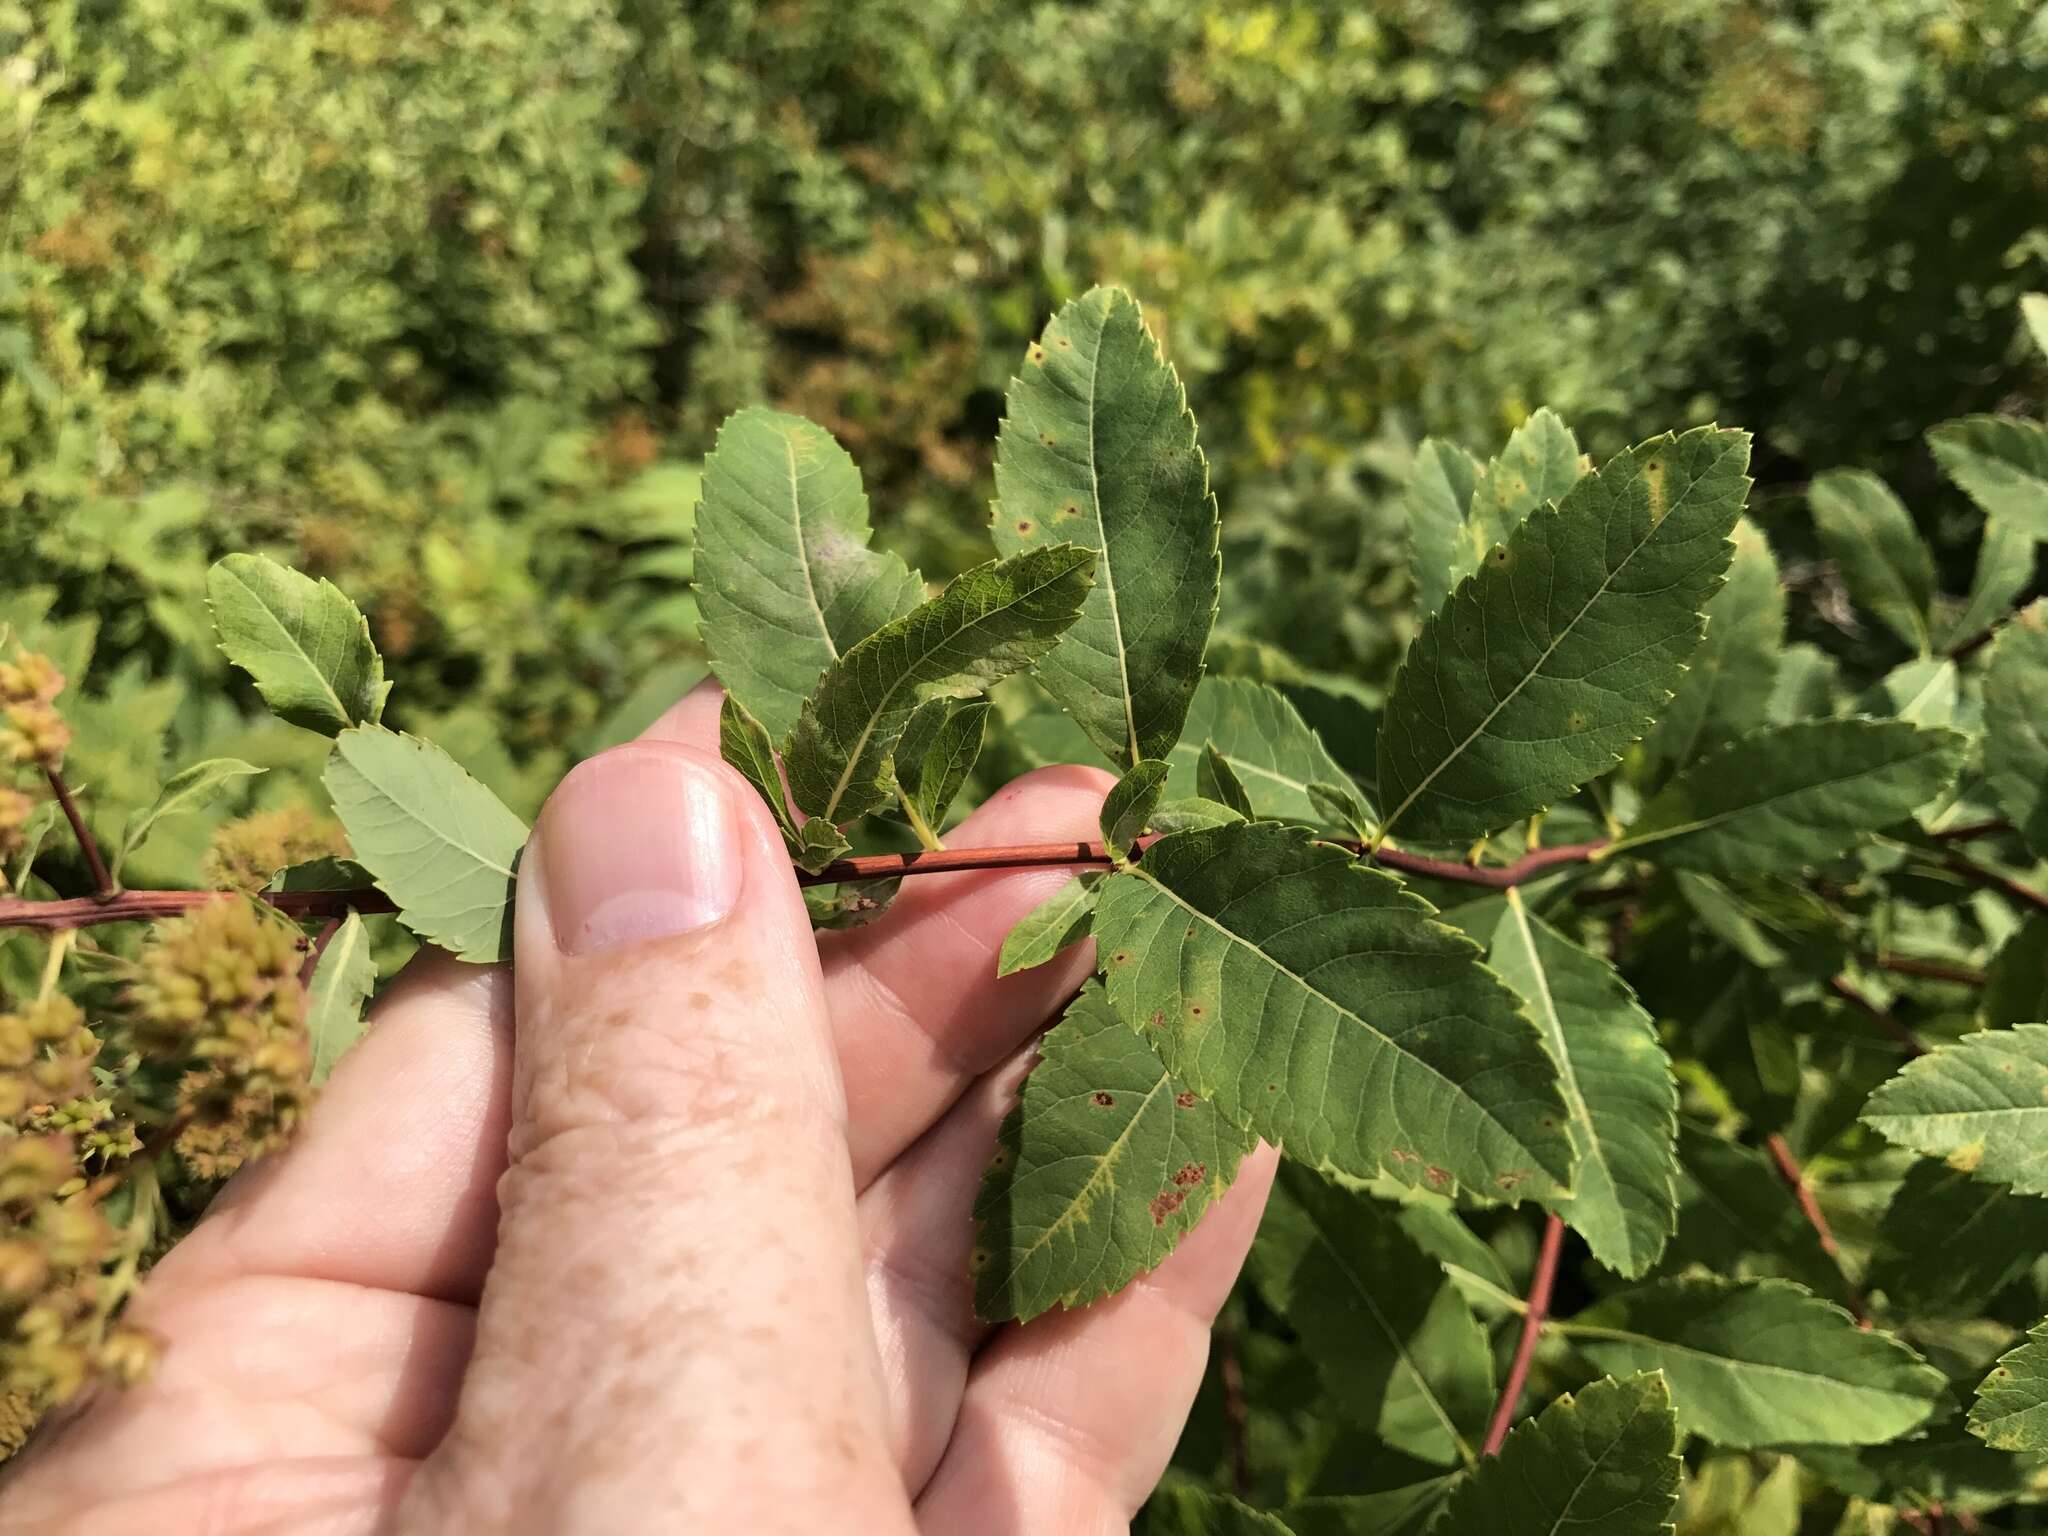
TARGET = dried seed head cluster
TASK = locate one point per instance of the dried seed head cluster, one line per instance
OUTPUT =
(31, 730)
(219, 990)
(248, 851)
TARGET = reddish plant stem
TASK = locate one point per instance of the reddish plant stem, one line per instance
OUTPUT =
(126, 906)
(102, 882)
(1970, 831)
(2025, 895)
(1843, 988)
(1809, 1207)
(1540, 1284)
(1931, 970)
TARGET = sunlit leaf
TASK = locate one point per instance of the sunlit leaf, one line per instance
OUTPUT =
(306, 645)
(2011, 1410)
(342, 983)
(2001, 462)
(1980, 1103)
(1265, 742)
(2016, 724)
(1063, 919)
(187, 790)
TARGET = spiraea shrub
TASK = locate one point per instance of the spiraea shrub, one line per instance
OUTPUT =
(1648, 988)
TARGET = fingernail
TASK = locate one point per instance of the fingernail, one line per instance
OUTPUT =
(638, 845)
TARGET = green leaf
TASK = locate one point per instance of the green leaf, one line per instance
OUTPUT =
(1980, 1102)
(305, 644)
(184, 791)
(1726, 689)
(1127, 809)
(1217, 781)
(1560, 650)
(1761, 1362)
(1191, 813)
(2016, 990)
(936, 752)
(1947, 1243)
(1737, 1218)
(850, 904)
(1097, 447)
(1538, 466)
(1883, 560)
(1318, 1002)
(1340, 805)
(1397, 1347)
(784, 576)
(2034, 310)
(1104, 1166)
(2011, 1410)
(2016, 724)
(1603, 1459)
(1438, 497)
(1405, 1511)
(743, 743)
(1923, 691)
(342, 984)
(1617, 1086)
(435, 840)
(990, 622)
(1791, 796)
(2001, 463)
(1269, 747)
(2005, 569)
(1179, 1510)
(1062, 920)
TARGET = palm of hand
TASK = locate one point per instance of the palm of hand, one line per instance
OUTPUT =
(376, 1332)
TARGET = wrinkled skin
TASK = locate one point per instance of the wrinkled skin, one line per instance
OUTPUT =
(670, 1234)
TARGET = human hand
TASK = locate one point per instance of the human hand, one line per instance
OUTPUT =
(687, 1249)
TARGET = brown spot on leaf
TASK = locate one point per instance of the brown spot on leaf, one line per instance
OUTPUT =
(1037, 353)
(1023, 525)
(1158, 1018)
(1102, 1100)
(1184, 1099)
(1436, 1175)
(1187, 1175)
(1508, 1181)
(1165, 1203)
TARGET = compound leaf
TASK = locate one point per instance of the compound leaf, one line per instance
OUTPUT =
(990, 622)
(1617, 1085)
(1396, 1345)
(342, 984)
(1560, 649)
(785, 580)
(1790, 796)
(436, 841)
(1602, 1459)
(1319, 1003)
(1098, 448)
(1980, 1102)
(306, 646)
(1761, 1362)
(2016, 724)
(1870, 536)
(1106, 1163)
(2011, 1410)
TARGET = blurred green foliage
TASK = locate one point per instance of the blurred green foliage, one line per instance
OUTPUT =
(443, 297)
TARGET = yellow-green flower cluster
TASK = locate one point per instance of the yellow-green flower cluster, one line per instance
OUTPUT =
(31, 730)
(52, 1326)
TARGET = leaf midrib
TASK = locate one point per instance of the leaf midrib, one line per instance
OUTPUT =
(1116, 622)
(292, 640)
(1568, 1072)
(1104, 1168)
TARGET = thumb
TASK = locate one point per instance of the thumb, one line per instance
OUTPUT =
(674, 1324)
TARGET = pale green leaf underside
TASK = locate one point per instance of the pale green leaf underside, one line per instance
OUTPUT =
(2016, 724)
(1539, 464)
(1394, 1341)
(1098, 448)
(342, 983)
(436, 841)
(2011, 1410)
(1559, 651)
(2001, 462)
(1981, 1103)
(186, 790)
(1617, 1085)
(1791, 796)
(1438, 496)
(785, 580)
(1063, 919)
(1762, 1362)
(2005, 569)
(1105, 1164)
(1602, 1460)
(1275, 754)
(1726, 687)
(1316, 1001)
(305, 644)
(1883, 560)
(990, 622)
